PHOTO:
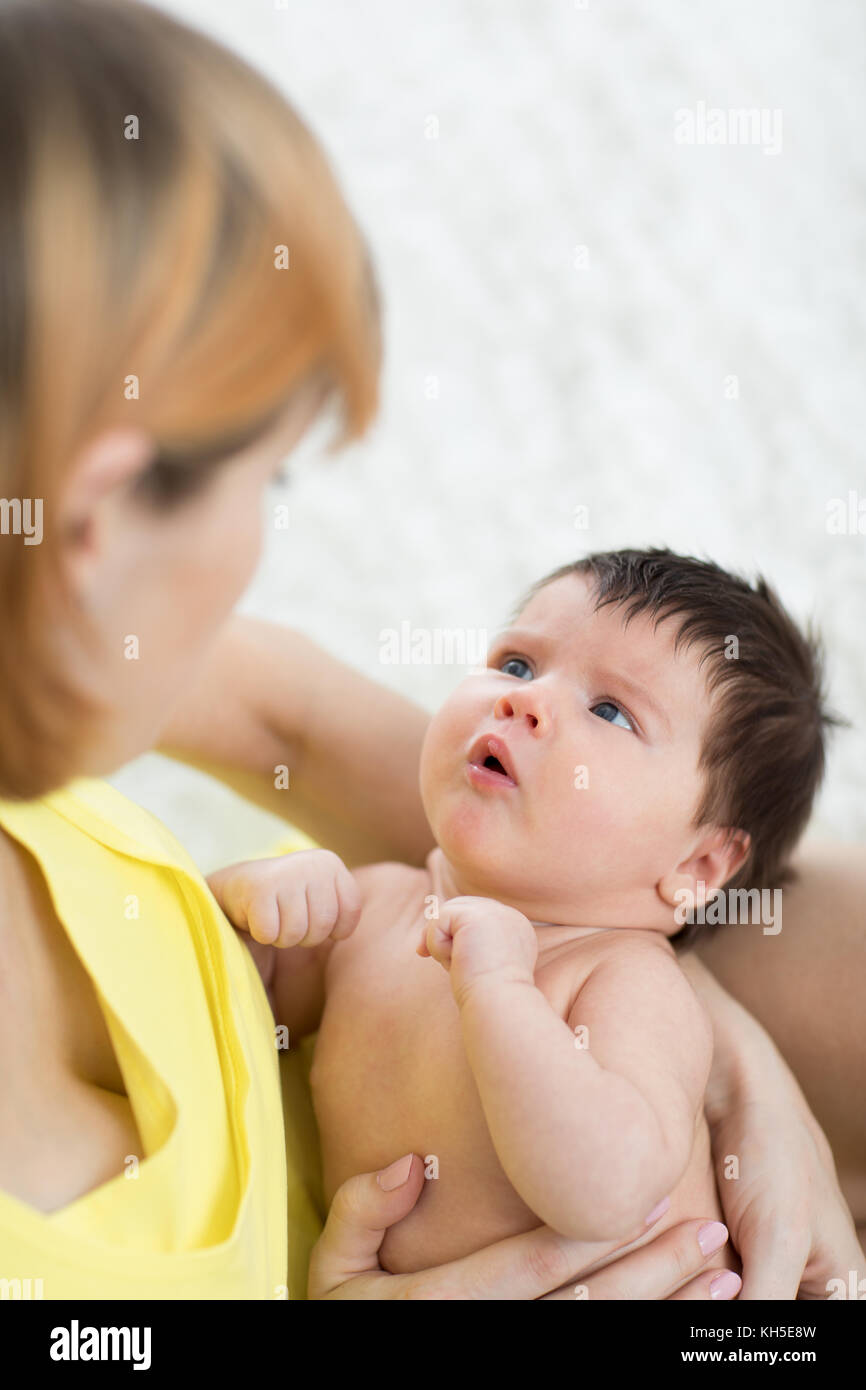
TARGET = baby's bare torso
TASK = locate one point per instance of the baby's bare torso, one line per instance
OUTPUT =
(390, 1076)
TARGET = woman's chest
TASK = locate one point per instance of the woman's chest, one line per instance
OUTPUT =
(65, 1121)
(60, 1138)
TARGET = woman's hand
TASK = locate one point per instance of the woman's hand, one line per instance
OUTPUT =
(536, 1265)
(788, 1219)
(776, 1177)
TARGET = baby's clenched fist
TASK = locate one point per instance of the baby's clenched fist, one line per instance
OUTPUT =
(480, 939)
(299, 899)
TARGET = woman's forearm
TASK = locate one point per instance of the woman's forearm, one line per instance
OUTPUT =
(805, 986)
(782, 1202)
(269, 698)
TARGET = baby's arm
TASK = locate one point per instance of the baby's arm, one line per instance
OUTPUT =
(592, 1136)
(308, 900)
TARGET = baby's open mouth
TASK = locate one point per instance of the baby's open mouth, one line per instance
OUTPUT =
(490, 762)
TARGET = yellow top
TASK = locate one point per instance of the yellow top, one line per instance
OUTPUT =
(203, 1211)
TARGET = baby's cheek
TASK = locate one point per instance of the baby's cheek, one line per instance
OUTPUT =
(581, 794)
(440, 752)
(599, 813)
(646, 821)
(427, 770)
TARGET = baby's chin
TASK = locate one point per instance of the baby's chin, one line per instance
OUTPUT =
(465, 827)
(494, 865)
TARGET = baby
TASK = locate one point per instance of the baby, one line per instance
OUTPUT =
(648, 731)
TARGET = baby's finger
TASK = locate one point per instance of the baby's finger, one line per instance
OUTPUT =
(426, 938)
(323, 910)
(232, 892)
(437, 943)
(261, 917)
(294, 917)
(348, 904)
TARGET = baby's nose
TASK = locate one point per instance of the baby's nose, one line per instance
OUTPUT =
(527, 706)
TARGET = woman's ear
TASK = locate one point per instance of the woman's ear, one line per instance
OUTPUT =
(712, 862)
(101, 471)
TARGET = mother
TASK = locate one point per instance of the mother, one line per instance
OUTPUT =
(182, 291)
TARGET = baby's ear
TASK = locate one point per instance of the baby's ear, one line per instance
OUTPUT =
(739, 845)
(714, 859)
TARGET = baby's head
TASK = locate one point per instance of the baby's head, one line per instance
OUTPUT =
(648, 723)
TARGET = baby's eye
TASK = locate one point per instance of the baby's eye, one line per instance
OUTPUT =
(613, 714)
(516, 666)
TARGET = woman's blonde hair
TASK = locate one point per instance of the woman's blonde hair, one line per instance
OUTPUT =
(165, 218)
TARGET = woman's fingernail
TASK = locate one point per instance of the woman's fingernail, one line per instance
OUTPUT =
(712, 1237)
(395, 1175)
(658, 1210)
(725, 1285)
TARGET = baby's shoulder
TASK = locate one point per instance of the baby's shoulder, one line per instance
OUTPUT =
(647, 955)
(634, 944)
(640, 970)
(637, 987)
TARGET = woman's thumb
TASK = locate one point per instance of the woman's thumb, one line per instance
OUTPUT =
(361, 1212)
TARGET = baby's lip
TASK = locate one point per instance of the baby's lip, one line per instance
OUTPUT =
(489, 746)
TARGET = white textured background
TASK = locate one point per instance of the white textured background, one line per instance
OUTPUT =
(560, 386)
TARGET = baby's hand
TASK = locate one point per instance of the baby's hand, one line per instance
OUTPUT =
(299, 899)
(480, 939)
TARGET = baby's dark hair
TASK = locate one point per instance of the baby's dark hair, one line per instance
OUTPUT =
(764, 753)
